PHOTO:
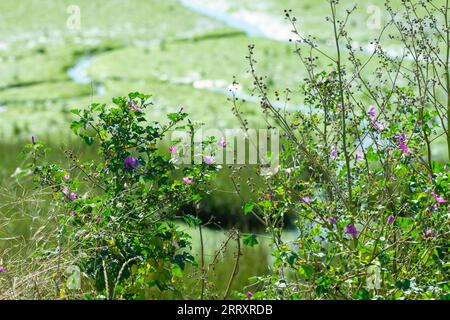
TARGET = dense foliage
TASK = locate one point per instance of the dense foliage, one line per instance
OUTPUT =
(119, 209)
(370, 204)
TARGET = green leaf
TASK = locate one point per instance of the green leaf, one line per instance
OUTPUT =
(265, 204)
(175, 117)
(250, 240)
(404, 284)
(306, 271)
(176, 271)
(191, 220)
(88, 140)
(362, 294)
(248, 208)
(290, 257)
(75, 126)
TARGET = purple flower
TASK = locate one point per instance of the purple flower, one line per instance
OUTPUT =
(390, 219)
(404, 147)
(438, 198)
(401, 137)
(73, 196)
(429, 234)
(249, 294)
(187, 180)
(66, 177)
(98, 220)
(131, 163)
(351, 229)
(333, 153)
(33, 139)
(2, 269)
(222, 142)
(73, 214)
(372, 113)
(65, 190)
(402, 141)
(332, 220)
(209, 160)
(306, 200)
(339, 107)
(173, 149)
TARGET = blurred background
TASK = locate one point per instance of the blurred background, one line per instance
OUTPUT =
(60, 55)
(57, 55)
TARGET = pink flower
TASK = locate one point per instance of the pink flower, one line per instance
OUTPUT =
(378, 125)
(438, 198)
(73, 196)
(135, 108)
(66, 177)
(65, 190)
(390, 219)
(351, 229)
(306, 200)
(187, 180)
(173, 149)
(209, 160)
(359, 155)
(2, 269)
(222, 142)
(339, 107)
(372, 113)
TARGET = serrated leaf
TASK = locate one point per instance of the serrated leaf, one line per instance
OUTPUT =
(250, 240)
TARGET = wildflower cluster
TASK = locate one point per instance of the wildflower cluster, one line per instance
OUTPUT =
(358, 179)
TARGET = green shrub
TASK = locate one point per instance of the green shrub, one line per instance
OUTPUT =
(119, 208)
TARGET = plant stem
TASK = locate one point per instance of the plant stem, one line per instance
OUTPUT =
(202, 254)
(342, 100)
(235, 267)
(447, 75)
